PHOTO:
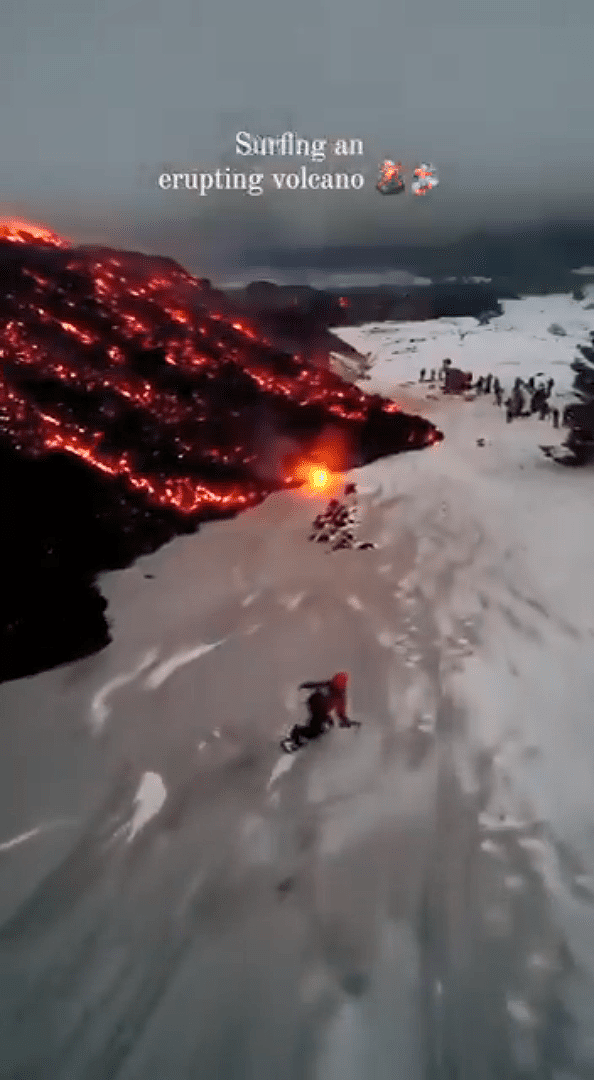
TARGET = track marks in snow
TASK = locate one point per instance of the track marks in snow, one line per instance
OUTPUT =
(291, 602)
(184, 656)
(100, 710)
(148, 800)
(249, 599)
(283, 765)
(22, 838)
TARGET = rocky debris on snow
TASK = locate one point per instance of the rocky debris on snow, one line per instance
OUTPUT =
(337, 525)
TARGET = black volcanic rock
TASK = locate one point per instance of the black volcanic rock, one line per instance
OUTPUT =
(287, 312)
(300, 318)
(417, 303)
(296, 318)
(337, 525)
(63, 525)
(135, 402)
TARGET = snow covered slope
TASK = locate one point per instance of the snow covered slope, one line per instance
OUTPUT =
(525, 683)
(412, 899)
(519, 342)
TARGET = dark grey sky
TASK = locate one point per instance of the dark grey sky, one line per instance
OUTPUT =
(97, 97)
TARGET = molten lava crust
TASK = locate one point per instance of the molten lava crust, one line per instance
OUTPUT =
(130, 410)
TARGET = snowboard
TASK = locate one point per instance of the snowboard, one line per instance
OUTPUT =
(291, 745)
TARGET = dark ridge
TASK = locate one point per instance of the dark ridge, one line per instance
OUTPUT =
(296, 315)
(533, 259)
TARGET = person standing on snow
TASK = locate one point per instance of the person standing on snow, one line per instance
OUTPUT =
(517, 398)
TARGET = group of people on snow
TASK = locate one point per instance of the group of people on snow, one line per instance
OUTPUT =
(526, 398)
(434, 374)
(529, 398)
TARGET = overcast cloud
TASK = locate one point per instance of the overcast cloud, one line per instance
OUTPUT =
(97, 99)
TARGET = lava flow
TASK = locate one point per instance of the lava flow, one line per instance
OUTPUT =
(25, 232)
(135, 402)
(120, 359)
(318, 478)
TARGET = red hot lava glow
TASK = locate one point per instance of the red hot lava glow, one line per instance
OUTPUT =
(95, 344)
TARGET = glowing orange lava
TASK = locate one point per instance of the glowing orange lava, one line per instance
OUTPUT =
(318, 478)
(19, 231)
(315, 479)
(88, 340)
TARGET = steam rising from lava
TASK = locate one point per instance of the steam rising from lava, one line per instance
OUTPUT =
(121, 360)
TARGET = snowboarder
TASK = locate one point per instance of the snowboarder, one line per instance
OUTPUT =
(422, 375)
(319, 719)
(328, 697)
(479, 384)
(498, 394)
(509, 413)
(550, 385)
(488, 382)
(432, 378)
(555, 415)
(335, 696)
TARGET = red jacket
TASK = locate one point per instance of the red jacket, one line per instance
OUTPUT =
(335, 697)
(337, 702)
